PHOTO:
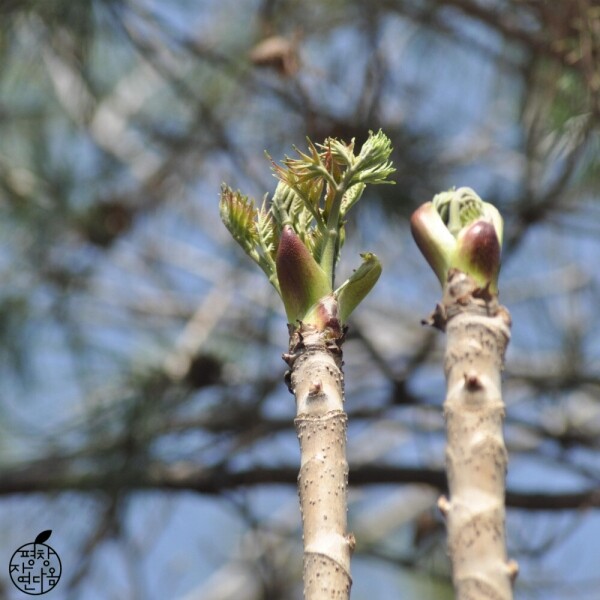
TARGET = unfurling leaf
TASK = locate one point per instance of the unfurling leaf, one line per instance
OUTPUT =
(238, 214)
(351, 197)
(353, 291)
(433, 238)
(290, 208)
(341, 153)
(253, 229)
(372, 165)
(265, 231)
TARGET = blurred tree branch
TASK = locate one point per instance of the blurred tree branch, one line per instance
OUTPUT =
(45, 476)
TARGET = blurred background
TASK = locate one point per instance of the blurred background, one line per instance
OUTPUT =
(143, 414)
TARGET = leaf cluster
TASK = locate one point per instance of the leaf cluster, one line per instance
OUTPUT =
(316, 190)
(252, 228)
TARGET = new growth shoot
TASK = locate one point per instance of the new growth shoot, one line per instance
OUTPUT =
(296, 238)
(459, 230)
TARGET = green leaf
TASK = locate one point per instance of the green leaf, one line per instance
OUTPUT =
(265, 230)
(351, 197)
(341, 152)
(288, 208)
(297, 240)
(433, 238)
(372, 165)
(354, 290)
(238, 214)
(254, 230)
(458, 207)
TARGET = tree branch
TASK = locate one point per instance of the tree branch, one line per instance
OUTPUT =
(48, 477)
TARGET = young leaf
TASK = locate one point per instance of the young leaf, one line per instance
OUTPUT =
(372, 165)
(238, 214)
(251, 228)
(288, 208)
(353, 291)
(351, 197)
(265, 231)
(342, 153)
(433, 238)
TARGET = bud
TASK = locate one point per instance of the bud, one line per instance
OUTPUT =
(458, 230)
(302, 282)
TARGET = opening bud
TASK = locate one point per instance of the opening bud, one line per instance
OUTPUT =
(459, 230)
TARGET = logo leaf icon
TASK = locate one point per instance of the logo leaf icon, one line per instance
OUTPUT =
(42, 537)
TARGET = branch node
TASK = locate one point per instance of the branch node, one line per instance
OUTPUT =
(287, 378)
(315, 388)
(472, 382)
(512, 567)
(484, 293)
(437, 319)
(444, 505)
